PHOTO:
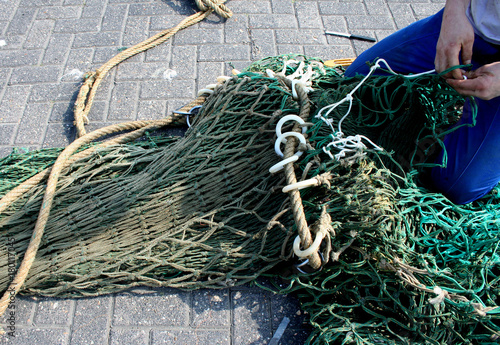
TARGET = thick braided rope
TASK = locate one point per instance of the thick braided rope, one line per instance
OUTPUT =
(215, 5)
(92, 81)
(295, 198)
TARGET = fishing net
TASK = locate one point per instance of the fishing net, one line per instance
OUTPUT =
(399, 264)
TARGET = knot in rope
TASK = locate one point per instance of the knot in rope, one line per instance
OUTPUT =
(214, 5)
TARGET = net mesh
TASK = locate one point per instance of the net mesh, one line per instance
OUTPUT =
(401, 264)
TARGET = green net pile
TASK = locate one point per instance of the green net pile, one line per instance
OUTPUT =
(401, 265)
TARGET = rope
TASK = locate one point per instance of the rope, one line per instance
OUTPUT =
(92, 80)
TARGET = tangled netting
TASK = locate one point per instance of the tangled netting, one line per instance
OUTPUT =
(401, 265)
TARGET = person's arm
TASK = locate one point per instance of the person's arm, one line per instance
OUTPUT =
(455, 39)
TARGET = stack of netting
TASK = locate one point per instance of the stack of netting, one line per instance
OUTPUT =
(401, 265)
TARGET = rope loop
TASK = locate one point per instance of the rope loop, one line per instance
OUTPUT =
(214, 5)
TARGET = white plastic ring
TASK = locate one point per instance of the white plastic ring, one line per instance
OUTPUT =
(309, 251)
(204, 91)
(279, 166)
(284, 119)
(286, 135)
(300, 185)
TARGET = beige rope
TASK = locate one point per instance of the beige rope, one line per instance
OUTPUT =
(295, 198)
(92, 80)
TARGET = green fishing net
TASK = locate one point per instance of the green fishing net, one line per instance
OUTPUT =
(401, 265)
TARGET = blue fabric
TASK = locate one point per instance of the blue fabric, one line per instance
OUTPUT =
(473, 167)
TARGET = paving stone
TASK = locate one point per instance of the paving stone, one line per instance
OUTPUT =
(176, 104)
(123, 101)
(341, 8)
(262, 44)
(54, 311)
(159, 53)
(425, 10)
(127, 336)
(231, 52)
(35, 74)
(59, 135)
(182, 337)
(236, 30)
(282, 6)
(23, 308)
(252, 324)
(64, 12)
(151, 110)
(142, 71)
(33, 124)
(39, 3)
(273, 21)
(4, 77)
(128, 1)
(77, 25)
(211, 309)
(308, 15)
(136, 31)
(369, 22)
(288, 306)
(163, 22)
(79, 59)
(335, 23)
(152, 9)
(5, 151)
(74, 2)
(377, 7)
(114, 17)
(208, 73)
(13, 103)
(37, 336)
(19, 58)
(103, 54)
(255, 6)
(13, 42)
(7, 132)
(99, 39)
(289, 49)
(91, 321)
(162, 308)
(62, 112)
(92, 10)
(98, 112)
(7, 9)
(199, 36)
(54, 92)
(39, 34)
(302, 37)
(403, 15)
(57, 49)
(20, 24)
(184, 62)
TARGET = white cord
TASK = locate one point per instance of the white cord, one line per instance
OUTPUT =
(353, 144)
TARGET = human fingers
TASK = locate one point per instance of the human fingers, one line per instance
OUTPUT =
(473, 86)
(446, 58)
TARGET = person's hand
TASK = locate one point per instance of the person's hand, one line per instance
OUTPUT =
(483, 83)
(455, 39)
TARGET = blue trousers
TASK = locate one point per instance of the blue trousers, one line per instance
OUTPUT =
(473, 167)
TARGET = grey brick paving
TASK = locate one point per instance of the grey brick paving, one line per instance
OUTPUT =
(49, 44)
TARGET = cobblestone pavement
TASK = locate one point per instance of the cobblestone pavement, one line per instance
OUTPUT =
(45, 45)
